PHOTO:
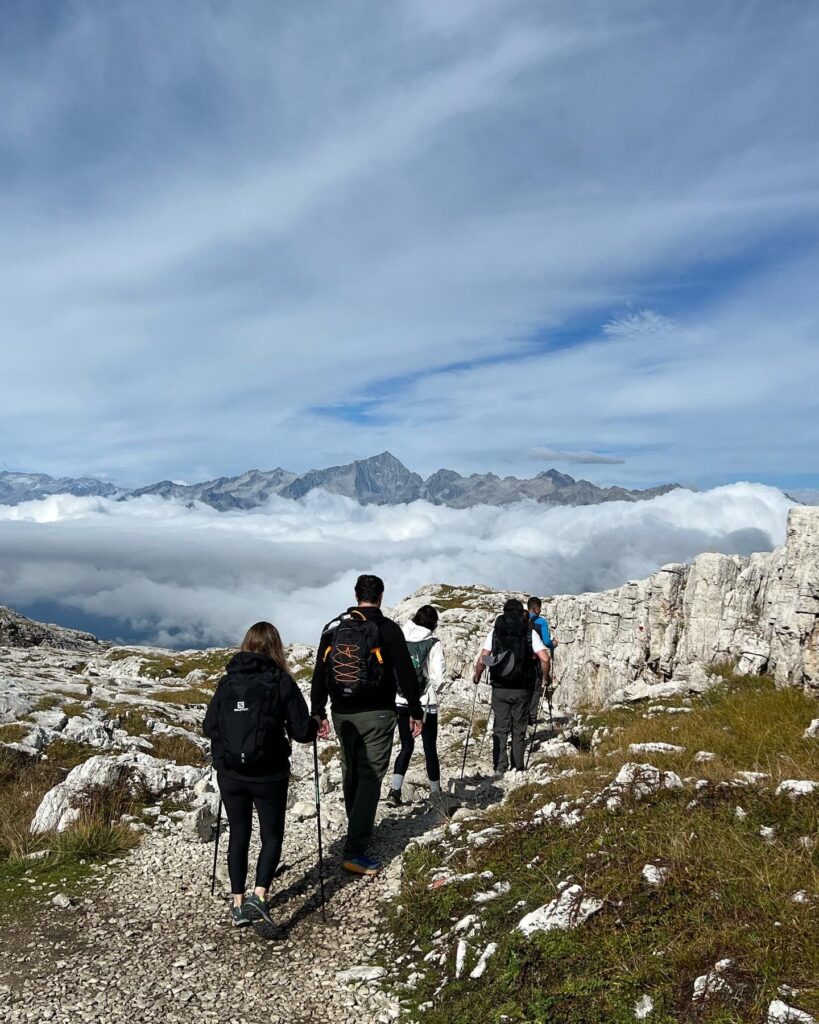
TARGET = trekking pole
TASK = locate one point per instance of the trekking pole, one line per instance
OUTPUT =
(216, 847)
(546, 692)
(469, 730)
(318, 822)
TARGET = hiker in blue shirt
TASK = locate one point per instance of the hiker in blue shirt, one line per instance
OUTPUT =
(541, 627)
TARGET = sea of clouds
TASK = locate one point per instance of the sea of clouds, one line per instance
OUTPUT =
(160, 572)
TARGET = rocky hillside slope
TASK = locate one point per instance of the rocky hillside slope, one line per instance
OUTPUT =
(18, 631)
(591, 862)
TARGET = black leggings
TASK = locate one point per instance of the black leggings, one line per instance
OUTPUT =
(429, 737)
(270, 801)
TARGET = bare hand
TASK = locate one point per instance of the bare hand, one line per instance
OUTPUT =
(416, 725)
(476, 679)
(324, 730)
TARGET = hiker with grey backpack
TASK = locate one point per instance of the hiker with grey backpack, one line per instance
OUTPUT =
(256, 709)
(427, 655)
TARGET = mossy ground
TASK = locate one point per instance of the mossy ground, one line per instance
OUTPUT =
(165, 666)
(729, 892)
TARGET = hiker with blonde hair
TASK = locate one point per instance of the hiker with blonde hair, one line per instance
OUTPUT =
(256, 709)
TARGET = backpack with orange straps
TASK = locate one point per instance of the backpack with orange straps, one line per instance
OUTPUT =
(352, 653)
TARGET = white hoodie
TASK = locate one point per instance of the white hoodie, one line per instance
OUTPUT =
(434, 667)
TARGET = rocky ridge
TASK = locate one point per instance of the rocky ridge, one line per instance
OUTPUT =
(379, 480)
(663, 635)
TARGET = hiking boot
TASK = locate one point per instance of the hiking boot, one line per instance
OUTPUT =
(238, 916)
(361, 865)
(393, 798)
(256, 909)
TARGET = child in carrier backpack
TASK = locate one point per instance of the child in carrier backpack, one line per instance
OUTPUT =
(256, 709)
(427, 655)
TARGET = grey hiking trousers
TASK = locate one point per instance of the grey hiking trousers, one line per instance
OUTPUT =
(511, 710)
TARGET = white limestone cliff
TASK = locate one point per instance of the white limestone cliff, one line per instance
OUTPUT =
(661, 634)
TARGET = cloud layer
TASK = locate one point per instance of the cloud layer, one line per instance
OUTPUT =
(160, 572)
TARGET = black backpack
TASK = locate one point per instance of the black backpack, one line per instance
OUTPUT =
(514, 665)
(249, 726)
(352, 653)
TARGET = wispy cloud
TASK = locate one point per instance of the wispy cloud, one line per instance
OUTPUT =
(577, 458)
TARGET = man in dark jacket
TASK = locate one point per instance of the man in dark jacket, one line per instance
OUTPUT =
(362, 687)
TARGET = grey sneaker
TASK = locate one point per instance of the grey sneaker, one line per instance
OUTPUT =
(238, 916)
(256, 909)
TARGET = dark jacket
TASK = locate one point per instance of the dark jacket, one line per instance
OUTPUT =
(294, 718)
(398, 672)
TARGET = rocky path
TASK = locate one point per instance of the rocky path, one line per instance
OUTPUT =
(150, 943)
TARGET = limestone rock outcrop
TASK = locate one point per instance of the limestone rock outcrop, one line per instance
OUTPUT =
(659, 635)
(140, 772)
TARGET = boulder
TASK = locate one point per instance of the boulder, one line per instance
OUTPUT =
(782, 1013)
(714, 982)
(479, 968)
(655, 748)
(140, 772)
(655, 875)
(794, 788)
(90, 733)
(569, 909)
(363, 973)
(812, 731)
(640, 780)
(302, 810)
(54, 719)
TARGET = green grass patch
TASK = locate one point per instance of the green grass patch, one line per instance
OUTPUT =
(183, 695)
(729, 892)
(162, 666)
(132, 719)
(175, 666)
(73, 709)
(13, 732)
(24, 781)
(177, 748)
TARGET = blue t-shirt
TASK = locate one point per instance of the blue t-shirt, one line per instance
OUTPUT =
(543, 629)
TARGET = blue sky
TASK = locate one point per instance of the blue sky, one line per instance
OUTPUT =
(247, 233)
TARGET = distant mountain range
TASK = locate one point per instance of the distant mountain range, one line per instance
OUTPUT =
(380, 480)
(17, 487)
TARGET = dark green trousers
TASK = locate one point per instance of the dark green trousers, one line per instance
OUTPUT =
(365, 738)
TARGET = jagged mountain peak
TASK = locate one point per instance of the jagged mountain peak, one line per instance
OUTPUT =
(380, 479)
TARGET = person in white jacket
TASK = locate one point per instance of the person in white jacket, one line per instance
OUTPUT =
(427, 655)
